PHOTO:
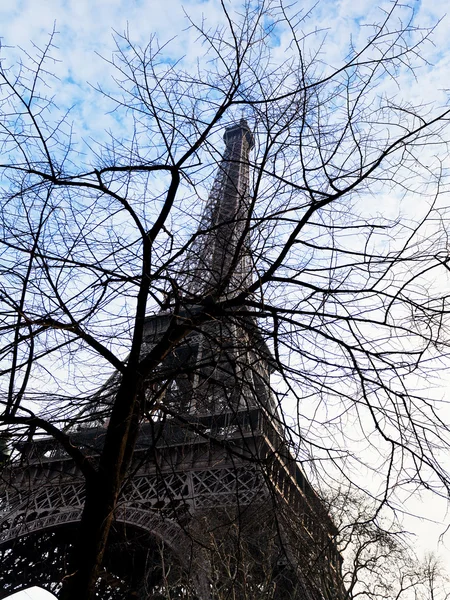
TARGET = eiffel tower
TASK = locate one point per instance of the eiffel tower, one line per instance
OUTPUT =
(215, 506)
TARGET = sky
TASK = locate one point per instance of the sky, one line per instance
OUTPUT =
(85, 31)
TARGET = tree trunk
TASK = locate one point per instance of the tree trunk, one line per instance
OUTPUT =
(103, 493)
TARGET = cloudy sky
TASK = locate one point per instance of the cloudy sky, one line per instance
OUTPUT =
(85, 32)
(85, 35)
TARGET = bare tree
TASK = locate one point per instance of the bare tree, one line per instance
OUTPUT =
(92, 246)
(380, 561)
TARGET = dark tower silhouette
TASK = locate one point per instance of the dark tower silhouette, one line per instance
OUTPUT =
(215, 507)
(219, 261)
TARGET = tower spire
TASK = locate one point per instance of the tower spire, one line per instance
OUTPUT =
(219, 261)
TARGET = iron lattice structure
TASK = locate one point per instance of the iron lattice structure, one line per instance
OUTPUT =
(219, 261)
(215, 506)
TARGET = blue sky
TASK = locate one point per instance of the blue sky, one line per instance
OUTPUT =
(86, 33)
